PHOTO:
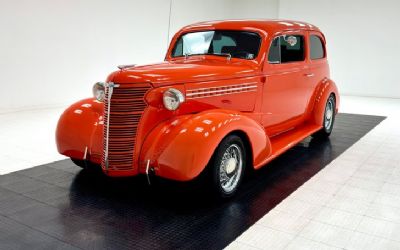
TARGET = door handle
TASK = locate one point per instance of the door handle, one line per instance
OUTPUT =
(309, 75)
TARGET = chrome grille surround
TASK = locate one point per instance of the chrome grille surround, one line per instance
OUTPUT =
(123, 107)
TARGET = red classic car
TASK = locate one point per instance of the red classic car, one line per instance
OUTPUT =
(230, 95)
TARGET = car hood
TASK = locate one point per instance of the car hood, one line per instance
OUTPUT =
(184, 71)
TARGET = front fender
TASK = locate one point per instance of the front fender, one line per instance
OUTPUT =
(79, 130)
(181, 148)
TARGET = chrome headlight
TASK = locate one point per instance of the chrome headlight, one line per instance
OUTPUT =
(99, 91)
(172, 99)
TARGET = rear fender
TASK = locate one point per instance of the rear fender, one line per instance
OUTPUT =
(317, 107)
(181, 148)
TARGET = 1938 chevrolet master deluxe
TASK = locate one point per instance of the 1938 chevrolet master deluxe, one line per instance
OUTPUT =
(229, 95)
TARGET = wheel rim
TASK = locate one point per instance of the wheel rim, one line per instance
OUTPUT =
(329, 114)
(230, 168)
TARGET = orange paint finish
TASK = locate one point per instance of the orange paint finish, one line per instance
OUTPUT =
(272, 105)
(80, 129)
(325, 89)
(182, 142)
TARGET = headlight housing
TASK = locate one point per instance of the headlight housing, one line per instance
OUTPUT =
(172, 99)
(99, 91)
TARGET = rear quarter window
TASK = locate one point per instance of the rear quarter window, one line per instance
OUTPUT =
(317, 50)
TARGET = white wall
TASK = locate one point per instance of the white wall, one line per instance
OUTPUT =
(363, 41)
(252, 9)
(52, 51)
(185, 12)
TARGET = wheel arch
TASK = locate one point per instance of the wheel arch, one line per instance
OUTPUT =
(249, 150)
(318, 100)
(191, 140)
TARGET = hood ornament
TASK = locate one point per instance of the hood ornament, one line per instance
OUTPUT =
(126, 66)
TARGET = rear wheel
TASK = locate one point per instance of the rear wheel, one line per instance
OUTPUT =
(227, 166)
(329, 118)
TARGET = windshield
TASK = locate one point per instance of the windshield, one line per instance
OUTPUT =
(238, 44)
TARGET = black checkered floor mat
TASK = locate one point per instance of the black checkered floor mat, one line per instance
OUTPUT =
(60, 206)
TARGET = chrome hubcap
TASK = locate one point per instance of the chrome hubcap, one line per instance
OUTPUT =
(329, 114)
(231, 168)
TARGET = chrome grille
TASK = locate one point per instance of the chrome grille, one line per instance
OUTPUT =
(122, 113)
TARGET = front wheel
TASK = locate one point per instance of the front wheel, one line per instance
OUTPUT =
(227, 166)
(329, 118)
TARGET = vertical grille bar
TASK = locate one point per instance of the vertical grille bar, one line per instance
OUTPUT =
(123, 108)
(109, 91)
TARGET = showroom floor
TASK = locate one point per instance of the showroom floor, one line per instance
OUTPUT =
(28, 138)
(352, 203)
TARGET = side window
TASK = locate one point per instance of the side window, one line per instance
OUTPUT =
(287, 48)
(274, 55)
(178, 48)
(316, 48)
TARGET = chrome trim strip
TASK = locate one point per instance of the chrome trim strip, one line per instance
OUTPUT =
(85, 154)
(126, 66)
(222, 90)
(207, 96)
(109, 87)
(226, 86)
(147, 171)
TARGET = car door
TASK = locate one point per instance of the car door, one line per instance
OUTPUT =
(284, 92)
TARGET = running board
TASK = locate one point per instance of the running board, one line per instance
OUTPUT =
(283, 142)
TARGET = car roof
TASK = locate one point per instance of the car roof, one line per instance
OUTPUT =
(267, 25)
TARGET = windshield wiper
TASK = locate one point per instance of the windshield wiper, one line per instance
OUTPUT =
(227, 55)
